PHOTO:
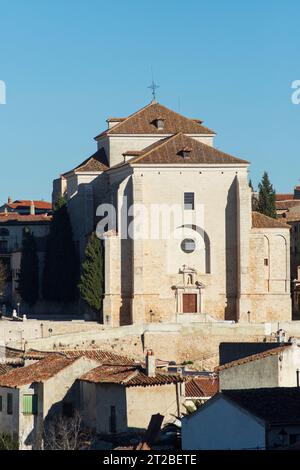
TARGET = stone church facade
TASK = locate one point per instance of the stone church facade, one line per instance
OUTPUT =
(222, 262)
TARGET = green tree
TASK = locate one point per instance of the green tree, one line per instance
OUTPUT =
(266, 197)
(60, 276)
(91, 284)
(29, 269)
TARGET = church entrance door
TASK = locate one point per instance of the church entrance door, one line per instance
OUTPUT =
(189, 302)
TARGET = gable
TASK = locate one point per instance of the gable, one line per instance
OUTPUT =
(221, 424)
(183, 150)
(143, 122)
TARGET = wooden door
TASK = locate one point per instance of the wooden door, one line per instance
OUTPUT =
(189, 302)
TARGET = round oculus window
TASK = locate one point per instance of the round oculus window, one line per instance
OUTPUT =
(188, 245)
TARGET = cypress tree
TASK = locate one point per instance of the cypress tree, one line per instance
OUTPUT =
(60, 274)
(266, 198)
(91, 284)
(29, 270)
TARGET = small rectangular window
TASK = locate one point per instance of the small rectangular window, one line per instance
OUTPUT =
(189, 201)
(266, 262)
(30, 404)
(9, 404)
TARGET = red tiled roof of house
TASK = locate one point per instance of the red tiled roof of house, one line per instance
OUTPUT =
(143, 122)
(263, 221)
(38, 372)
(254, 357)
(10, 356)
(284, 197)
(281, 205)
(99, 355)
(133, 376)
(4, 368)
(11, 217)
(21, 203)
(170, 151)
(201, 387)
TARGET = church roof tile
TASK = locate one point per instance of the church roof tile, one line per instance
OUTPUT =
(96, 162)
(143, 122)
(173, 150)
(263, 221)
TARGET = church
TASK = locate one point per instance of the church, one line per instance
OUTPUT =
(184, 244)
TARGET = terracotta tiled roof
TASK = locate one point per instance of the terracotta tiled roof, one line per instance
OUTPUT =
(263, 221)
(129, 376)
(169, 151)
(22, 203)
(103, 357)
(143, 122)
(4, 368)
(14, 217)
(254, 357)
(281, 205)
(277, 405)
(38, 372)
(201, 387)
(96, 162)
(11, 356)
(284, 197)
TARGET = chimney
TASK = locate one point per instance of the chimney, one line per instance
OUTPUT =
(112, 122)
(32, 208)
(9, 200)
(150, 363)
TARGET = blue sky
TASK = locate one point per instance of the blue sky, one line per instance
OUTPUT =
(69, 64)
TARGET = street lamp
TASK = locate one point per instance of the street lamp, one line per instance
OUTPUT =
(18, 307)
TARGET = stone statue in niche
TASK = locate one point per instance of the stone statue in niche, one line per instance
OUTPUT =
(188, 275)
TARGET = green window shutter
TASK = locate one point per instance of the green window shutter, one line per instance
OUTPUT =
(30, 404)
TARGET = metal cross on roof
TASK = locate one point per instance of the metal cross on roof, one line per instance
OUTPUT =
(153, 87)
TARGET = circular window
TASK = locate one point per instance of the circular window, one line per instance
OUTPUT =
(188, 245)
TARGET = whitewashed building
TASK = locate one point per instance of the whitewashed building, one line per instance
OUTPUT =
(122, 398)
(266, 418)
(278, 367)
(32, 394)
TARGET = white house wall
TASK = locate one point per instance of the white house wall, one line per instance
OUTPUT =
(220, 425)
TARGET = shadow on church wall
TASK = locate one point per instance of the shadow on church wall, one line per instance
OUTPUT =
(231, 252)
